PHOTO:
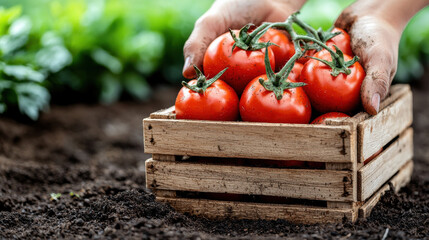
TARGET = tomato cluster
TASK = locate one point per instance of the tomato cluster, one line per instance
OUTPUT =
(249, 88)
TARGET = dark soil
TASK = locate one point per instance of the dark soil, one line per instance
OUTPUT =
(96, 152)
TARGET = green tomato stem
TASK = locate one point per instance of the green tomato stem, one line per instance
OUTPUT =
(202, 82)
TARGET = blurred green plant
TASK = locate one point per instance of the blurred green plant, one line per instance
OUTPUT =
(414, 48)
(23, 65)
(110, 48)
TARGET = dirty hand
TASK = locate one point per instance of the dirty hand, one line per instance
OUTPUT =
(233, 14)
(375, 28)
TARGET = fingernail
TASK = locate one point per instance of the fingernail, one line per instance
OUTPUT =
(187, 64)
(375, 102)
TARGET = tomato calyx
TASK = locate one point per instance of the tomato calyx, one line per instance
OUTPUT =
(277, 82)
(338, 64)
(315, 39)
(202, 82)
(250, 41)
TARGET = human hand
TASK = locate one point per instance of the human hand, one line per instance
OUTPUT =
(233, 14)
(375, 28)
(376, 42)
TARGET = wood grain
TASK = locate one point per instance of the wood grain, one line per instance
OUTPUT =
(398, 181)
(294, 183)
(380, 129)
(246, 210)
(248, 140)
(373, 175)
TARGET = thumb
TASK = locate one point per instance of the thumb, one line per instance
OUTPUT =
(376, 42)
(375, 87)
(206, 29)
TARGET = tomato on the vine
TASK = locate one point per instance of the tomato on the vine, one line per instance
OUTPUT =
(260, 105)
(342, 41)
(328, 93)
(202, 99)
(284, 49)
(296, 71)
(306, 56)
(243, 65)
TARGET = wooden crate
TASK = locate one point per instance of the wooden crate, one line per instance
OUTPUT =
(239, 169)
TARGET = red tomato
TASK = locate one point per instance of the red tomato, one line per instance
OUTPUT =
(317, 165)
(285, 163)
(342, 41)
(373, 156)
(296, 71)
(284, 49)
(243, 66)
(219, 103)
(328, 93)
(259, 105)
(321, 119)
(292, 163)
(306, 56)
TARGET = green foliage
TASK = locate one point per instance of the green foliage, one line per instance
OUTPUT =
(22, 73)
(414, 48)
(92, 49)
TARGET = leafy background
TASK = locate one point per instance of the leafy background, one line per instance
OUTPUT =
(67, 51)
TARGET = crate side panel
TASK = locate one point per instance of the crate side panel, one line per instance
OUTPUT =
(398, 181)
(373, 175)
(244, 210)
(248, 140)
(380, 129)
(325, 185)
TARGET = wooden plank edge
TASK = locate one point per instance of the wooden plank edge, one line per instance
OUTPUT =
(214, 209)
(398, 181)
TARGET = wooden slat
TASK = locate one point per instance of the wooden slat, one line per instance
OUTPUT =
(373, 175)
(294, 183)
(380, 129)
(398, 181)
(244, 210)
(396, 91)
(167, 113)
(248, 140)
(341, 205)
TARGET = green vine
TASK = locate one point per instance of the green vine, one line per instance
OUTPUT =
(315, 39)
